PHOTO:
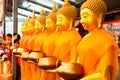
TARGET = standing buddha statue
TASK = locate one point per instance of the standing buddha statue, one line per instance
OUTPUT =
(41, 37)
(97, 51)
(23, 30)
(23, 64)
(49, 43)
(27, 35)
(65, 46)
(31, 29)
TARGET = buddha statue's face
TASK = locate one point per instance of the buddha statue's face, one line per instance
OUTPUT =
(50, 25)
(23, 28)
(62, 22)
(88, 19)
(30, 28)
(38, 26)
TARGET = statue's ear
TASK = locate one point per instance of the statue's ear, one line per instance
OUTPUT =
(99, 18)
(71, 24)
(43, 27)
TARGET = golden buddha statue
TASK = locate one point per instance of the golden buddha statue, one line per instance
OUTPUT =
(31, 30)
(31, 24)
(51, 19)
(23, 30)
(40, 22)
(49, 43)
(26, 34)
(26, 45)
(23, 64)
(43, 34)
(98, 50)
(66, 43)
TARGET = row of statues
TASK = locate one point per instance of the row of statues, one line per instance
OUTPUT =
(55, 35)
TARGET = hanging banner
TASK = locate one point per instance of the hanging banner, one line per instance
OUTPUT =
(113, 27)
(1, 18)
(1, 10)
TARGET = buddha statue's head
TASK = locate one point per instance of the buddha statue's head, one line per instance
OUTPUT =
(25, 25)
(92, 14)
(66, 16)
(31, 24)
(40, 22)
(51, 19)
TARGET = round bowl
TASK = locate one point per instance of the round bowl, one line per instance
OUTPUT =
(70, 70)
(21, 50)
(25, 55)
(17, 54)
(34, 56)
(48, 62)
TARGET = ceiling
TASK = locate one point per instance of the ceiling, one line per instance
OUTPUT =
(25, 7)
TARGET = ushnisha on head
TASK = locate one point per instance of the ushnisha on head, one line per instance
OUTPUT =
(32, 20)
(31, 23)
(51, 19)
(41, 18)
(40, 22)
(96, 6)
(53, 14)
(68, 11)
(25, 25)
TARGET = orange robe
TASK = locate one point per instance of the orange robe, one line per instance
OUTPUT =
(27, 38)
(49, 44)
(22, 62)
(65, 43)
(30, 42)
(48, 49)
(38, 46)
(93, 51)
(21, 40)
(31, 67)
(39, 40)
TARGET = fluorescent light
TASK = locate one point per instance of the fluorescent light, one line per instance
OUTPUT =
(45, 2)
(73, 1)
(25, 12)
(60, 2)
(20, 16)
(37, 7)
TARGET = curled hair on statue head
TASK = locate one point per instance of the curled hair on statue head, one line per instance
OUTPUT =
(96, 6)
(68, 11)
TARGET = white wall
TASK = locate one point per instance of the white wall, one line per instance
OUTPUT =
(9, 27)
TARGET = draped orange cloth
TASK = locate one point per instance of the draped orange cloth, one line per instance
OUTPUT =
(93, 51)
(26, 39)
(39, 40)
(65, 43)
(49, 44)
(32, 68)
(21, 41)
(48, 49)
(30, 42)
(23, 66)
